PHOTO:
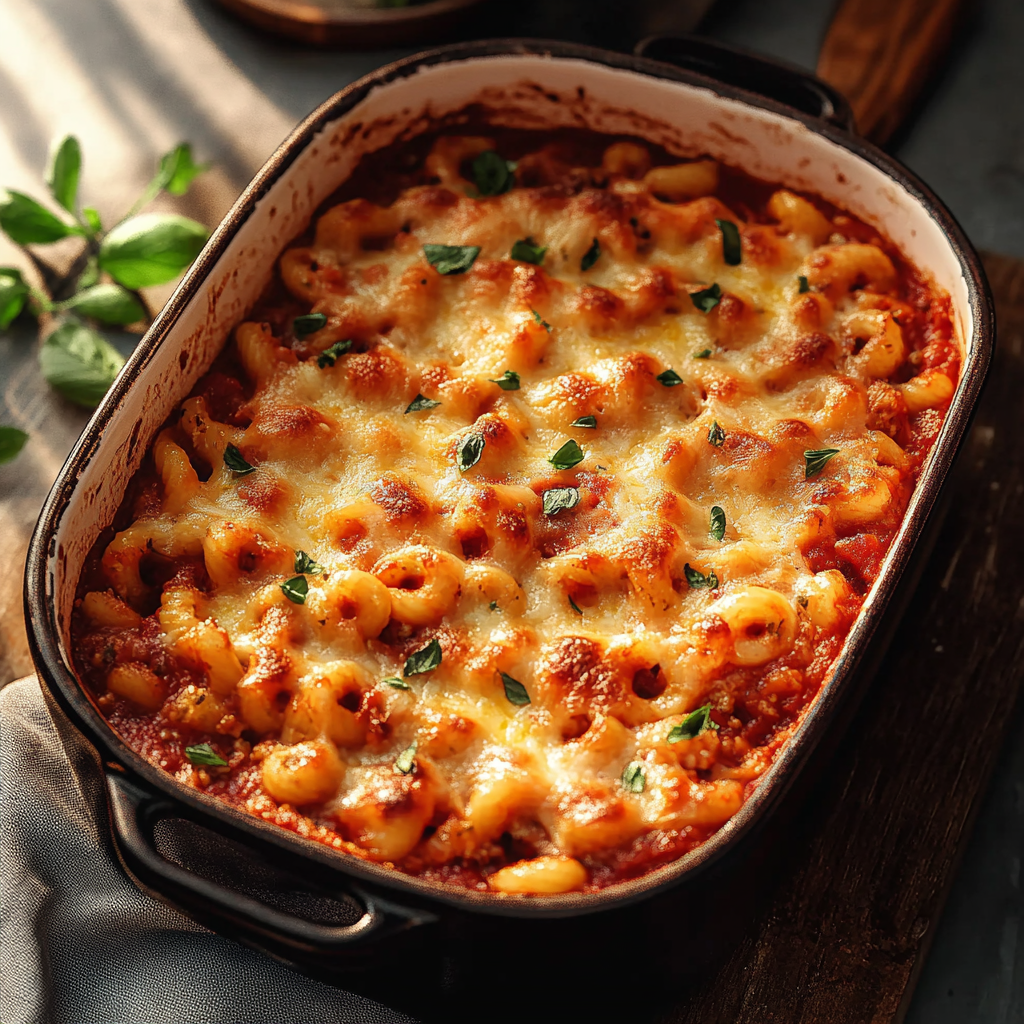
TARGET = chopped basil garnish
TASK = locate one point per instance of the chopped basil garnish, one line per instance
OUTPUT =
(702, 354)
(331, 355)
(235, 461)
(469, 450)
(515, 691)
(587, 422)
(426, 659)
(698, 579)
(575, 607)
(692, 725)
(634, 778)
(804, 286)
(397, 683)
(493, 606)
(406, 760)
(543, 323)
(451, 259)
(296, 589)
(203, 753)
(591, 256)
(732, 251)
(716, 435)
(816, 461)
(668, 378)
(559, 499)
(528, 251)
(569, 455)
(717, 522)
(308, 323)
(508, 381)
(492, 174)
(706, 299)
(305, 564)
(421, 402)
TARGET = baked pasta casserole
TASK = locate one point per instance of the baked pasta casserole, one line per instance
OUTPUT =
(512, 535)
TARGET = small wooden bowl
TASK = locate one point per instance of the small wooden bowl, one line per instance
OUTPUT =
(333, 23)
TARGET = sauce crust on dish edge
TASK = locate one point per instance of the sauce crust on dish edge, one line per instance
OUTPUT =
(515, 530)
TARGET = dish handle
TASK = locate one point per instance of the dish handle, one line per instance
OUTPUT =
(136, 813)
(781, 82)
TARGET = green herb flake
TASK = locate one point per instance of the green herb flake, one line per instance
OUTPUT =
(634, 778)
(469, 450)
(542, 322)
(591, 256)
(717, 522)
(492, 173)
(421, 402)
(79, 363)
(12, 440)
(704, 353)
(816, 461)
(296, 589)
(560, 499)
(804, 285)
(451, 259)
(586, 422)
(569, 455)
(716, 435)
(426, 659)
(575, 607)
(204, 754)
(706, 299)
(397, 683)
(406, 760)
(305, 564)
(697, 579)
(515, 691)
(331, 355)
(732, 250)
(692, 725)
(669, 378)
(493, 606)
(235, 461)
(508, 381)
(526, 250)
(309, 323)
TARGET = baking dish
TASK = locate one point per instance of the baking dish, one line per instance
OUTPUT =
(527, 84)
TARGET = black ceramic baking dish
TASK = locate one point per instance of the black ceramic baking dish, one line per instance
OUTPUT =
(806, 143)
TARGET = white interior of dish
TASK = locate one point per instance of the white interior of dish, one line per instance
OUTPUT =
(521, 91)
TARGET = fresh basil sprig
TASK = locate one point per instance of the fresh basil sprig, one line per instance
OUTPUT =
(12, 440)
(79, 363)
(14, 292)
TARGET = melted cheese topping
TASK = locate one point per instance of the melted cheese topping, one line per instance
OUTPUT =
(702, 558)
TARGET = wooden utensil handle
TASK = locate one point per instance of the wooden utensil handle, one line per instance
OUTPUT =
(881, 53)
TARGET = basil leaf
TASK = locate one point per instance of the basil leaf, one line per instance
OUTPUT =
(426, 659)
(177, 169)
(515, 691)
(669, 378)
(151, 248)
(92, 218)
(91, 274)
(331, 355)
(305, 564)
(575, 607)
(692, 725)
(492, 173)
(816, 461)
(697, 579)
(634, 778)
(493, 606)
(569, 455)
(587, 422)
(25, 221)
(469, 450)
(12, 440)
(508, 381)
(79, 363)
(732, 249)
(108, 303)
(397, 683)
(702, 354)
(804, 286)
(296, 589)
(13, 293)
(716, 435)
(63, 171)
(307, 324)
(203, 753)
(527, 251)
(406, 760)
(591, 256)
(543, 323)
(420, 402)
(707, 299)
(235, 461)
(717, 522)
(451, 259)
(560, 499)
